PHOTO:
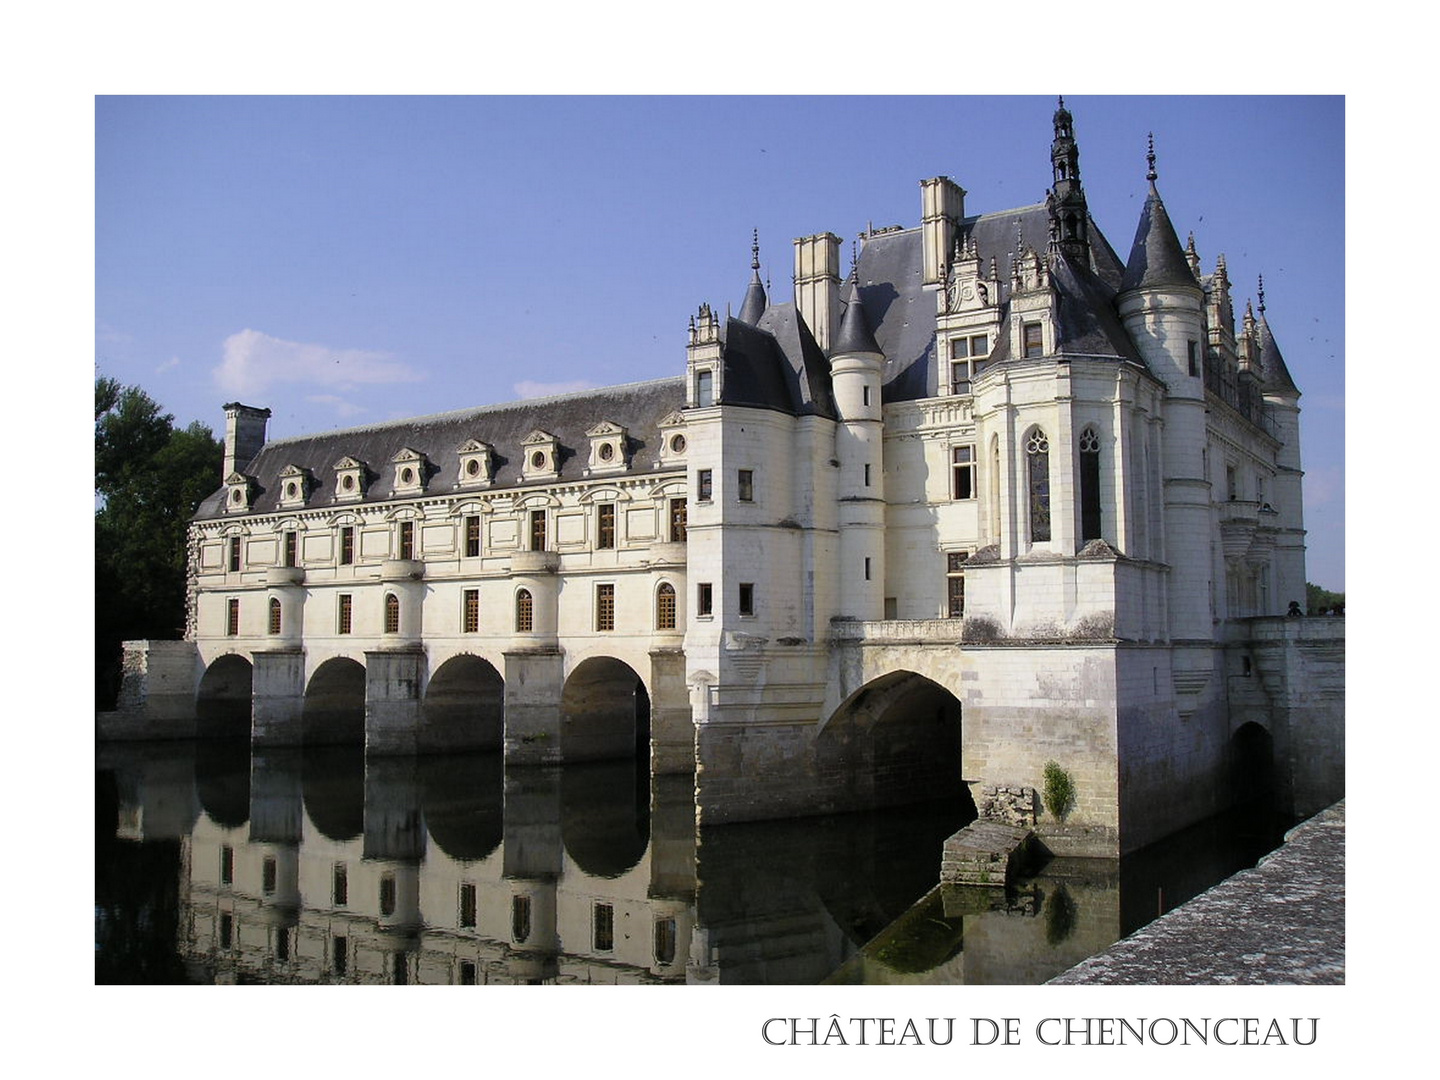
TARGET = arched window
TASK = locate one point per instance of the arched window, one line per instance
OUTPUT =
(524, 611)
(1037, 457)
(274, 616)
(392, 613)
(1089, 485)
(665, 607)
(995, 488)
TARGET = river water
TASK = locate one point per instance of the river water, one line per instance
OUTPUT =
(214, 864)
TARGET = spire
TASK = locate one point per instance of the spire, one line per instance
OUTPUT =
(1156, 258)
(855, 334)
(1065, 202)
(755, 301)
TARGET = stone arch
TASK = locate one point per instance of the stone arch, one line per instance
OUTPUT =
(604, 711)
(222, 700)
(334, 710)
(1252, 763)
(464, 707)
(895, 740)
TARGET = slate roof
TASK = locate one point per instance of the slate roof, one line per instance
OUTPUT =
(1277, 375)
(855, 335)
(1156, 257)
(638, 407)
(775, 365)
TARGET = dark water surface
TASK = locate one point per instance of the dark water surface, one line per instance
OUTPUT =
(216, 865)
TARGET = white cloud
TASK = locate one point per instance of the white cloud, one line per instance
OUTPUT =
(253, 361)
(340, 405)
(173, 362)
(529, 389)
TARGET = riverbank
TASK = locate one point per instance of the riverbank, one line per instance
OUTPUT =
(1281, 923)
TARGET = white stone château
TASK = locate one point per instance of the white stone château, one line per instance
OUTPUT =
(994, 498)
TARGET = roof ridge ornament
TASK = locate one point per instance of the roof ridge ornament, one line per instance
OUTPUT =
(1262, 295)
(1150, 174)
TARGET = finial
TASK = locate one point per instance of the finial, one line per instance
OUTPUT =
(1150, 158)
(1262, 295)
(1061, 99)
(854, 262)
(755, 250)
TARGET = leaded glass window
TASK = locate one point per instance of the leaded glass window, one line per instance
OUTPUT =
(1037, 453)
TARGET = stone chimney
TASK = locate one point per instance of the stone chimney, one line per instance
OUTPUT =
(817, 285)
(244, 435)
(942, 208)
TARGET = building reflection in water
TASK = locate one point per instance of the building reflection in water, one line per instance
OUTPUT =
(319, 866)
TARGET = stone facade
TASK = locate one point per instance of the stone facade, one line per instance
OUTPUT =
(994, 498)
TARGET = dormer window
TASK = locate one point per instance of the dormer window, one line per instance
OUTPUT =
(475, 464)
(608, 443)
(542, 457)
(1032, 340)
(673, 442)
(295, 486)
(704, 388)
(350, 474)
(967, 359)
(411, 471)
(239, 493)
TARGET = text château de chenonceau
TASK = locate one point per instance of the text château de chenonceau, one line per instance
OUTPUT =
(992, 502)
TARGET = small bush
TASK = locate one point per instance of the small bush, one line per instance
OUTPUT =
(1059, 790)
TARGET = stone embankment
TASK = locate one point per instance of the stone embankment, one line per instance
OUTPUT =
(1282, 923)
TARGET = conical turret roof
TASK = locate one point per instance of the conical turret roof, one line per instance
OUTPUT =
(1156, 258)
(755, 301)
(855, 334)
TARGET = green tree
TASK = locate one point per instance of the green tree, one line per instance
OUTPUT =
(149, 478)
(1318, 599)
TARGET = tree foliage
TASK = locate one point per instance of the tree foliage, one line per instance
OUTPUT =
(149, 478)
(1318, 599)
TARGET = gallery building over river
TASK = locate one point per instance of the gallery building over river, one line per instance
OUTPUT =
(992, 499)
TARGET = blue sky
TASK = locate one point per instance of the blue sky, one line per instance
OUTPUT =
(346, 260)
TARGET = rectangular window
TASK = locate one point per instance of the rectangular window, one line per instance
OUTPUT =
(962, 465)
(471, 616)
(703, 486)
(704, 389)
(467, 905)
(747, 598)
(290, 548)
(664, 941)
(267, 875)
(604, 607)
(604, 927)
(339, 886)
(605, 525)
(346, 609)
(955, 582)
(867, 474)
(227, 926)
(232, 616)
(968, 356)
(1232, 492)
(867, 567)
(347, 546)
(234, 553)
(745, 485)
(537, 530)
(340, 955)
(472, 537)
(1193, 349)
(865, 395)
(227, 865)
(704, 599)
(387, 895)
(1034, 340)
(467, 973)
(407, 540)
(677, 520)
